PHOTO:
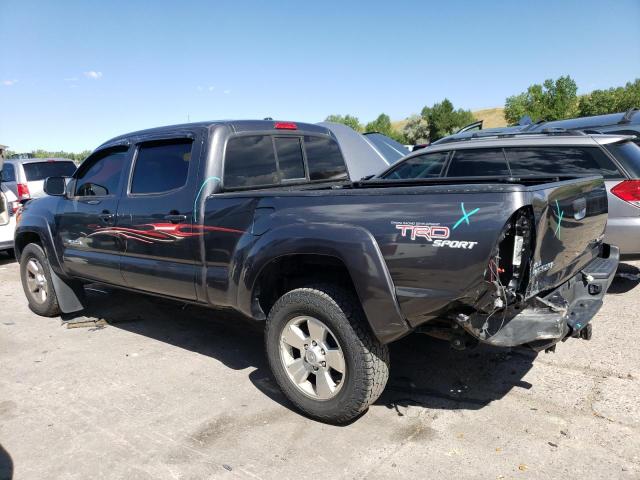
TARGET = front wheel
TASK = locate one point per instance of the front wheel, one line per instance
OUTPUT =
(36, 281)
(323, 355)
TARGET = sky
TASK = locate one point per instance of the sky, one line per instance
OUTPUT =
(74, 74)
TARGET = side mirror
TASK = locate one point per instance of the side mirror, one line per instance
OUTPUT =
(55, 186)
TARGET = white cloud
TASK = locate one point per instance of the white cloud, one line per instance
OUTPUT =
(211, 88)
(92, 74)
(9, 83)
(227, 92)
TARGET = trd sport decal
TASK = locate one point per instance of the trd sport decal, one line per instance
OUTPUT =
(437, 235)
(465, 216)
(428, 232)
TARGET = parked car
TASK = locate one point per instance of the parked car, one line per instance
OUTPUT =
(365, 154)
(25, 177)
(261, 217)
(9, 207)
(615, 157)
(623, 123)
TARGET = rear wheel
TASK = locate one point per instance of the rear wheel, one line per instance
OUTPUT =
(36, 281)
(323, 355)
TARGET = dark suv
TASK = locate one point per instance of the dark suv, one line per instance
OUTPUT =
(560, 153)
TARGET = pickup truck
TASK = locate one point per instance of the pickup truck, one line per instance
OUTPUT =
(261, 217)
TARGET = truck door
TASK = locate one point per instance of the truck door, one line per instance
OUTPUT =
(156, 218)
(90, 247)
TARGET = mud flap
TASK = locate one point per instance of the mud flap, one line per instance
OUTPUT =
(69, 297)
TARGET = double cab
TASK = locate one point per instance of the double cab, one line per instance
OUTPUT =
(263, 217)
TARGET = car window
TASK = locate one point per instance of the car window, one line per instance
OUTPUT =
(628, 154)
(324, 159)
(100, 174)
(428, 165)
(290, 161)
(8, 173)
(479, 162)
(250, 162)
(41, 170)
(561, 161)
(161, 167)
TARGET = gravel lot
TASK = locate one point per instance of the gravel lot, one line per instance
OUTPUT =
(163, 391)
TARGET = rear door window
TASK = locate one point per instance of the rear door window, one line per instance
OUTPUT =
(40, 170)
(250, 162)
(423, 166)
(628, 154)
(479, 162)
(561, 161)
(324, 159)
(100, 174)
(161, 167)
(290, 161)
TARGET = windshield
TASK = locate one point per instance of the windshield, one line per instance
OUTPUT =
(628, 154)
(391, 150)
(41, 170)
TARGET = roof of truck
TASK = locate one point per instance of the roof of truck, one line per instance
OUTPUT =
(236, 125)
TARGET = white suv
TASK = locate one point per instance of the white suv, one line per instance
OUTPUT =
(25, 177)
(9, 206)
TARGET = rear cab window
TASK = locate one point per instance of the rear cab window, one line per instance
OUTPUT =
(253, 161)
(35, 171)
(290, 160)
(250, 161)
(478, 162)
(324, 159)
(628, 154)
(525, 161)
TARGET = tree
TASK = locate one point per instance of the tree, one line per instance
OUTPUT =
(382, 124)
(442, 119)
(76, 157)
(416, 130)
(612, 100)
(348, 120)
(553, 100)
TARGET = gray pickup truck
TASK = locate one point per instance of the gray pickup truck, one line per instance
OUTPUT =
(263, 218)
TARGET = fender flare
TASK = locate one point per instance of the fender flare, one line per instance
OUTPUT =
(69, 295)
(38, 225)
(353, 245)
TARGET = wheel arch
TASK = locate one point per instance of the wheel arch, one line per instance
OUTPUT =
(340, 249)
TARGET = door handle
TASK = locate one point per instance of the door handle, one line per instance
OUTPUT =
(106, 217)
(175, 218)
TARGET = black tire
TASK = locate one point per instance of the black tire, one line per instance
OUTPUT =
(49, 306)
(366, 359)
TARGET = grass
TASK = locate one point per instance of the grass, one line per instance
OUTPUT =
(493, 117)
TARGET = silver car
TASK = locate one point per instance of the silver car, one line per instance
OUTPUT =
(25, 177)
(556, 154)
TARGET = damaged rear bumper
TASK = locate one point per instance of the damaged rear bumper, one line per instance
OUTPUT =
(545, 320)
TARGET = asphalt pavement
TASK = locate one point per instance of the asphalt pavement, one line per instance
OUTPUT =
(144, 388)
